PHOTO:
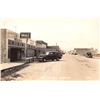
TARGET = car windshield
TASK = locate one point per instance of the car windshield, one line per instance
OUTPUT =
(41, 54)
(50, 52)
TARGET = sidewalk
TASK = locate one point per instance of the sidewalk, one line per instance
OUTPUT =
(11, 68)
(4, 66)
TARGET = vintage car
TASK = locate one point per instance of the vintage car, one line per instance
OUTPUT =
(51, 55)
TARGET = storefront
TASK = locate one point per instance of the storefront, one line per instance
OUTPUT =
(15, 50)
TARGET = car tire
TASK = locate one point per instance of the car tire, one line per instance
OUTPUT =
(57, 59)
(52, 59)
(44, 60)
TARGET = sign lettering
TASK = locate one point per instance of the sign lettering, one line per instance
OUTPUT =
(25, 35)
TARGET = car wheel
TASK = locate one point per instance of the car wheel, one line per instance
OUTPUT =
(52, 59)
(57, 59)
(44, 60)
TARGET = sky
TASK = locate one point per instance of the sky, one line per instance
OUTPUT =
(70, 24)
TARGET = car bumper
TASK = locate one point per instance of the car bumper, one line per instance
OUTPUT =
(40, 59)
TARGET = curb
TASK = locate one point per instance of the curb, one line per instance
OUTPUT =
(11, 70)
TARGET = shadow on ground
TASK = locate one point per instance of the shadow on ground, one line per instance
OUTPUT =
(11, 77)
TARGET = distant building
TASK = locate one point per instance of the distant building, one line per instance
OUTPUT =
(40, 47)
(40, 44)
(84, 51)
(53, 48)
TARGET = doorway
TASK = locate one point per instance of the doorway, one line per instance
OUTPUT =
(15, 54)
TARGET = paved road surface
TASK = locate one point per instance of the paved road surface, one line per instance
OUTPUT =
(70, 67)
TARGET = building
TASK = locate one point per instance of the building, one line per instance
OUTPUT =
(30, 52)
(84, 51)
(12, 48)
(40, 47)
(53, 48)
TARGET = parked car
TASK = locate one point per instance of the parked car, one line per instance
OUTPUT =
(51, 55)
(89, 55)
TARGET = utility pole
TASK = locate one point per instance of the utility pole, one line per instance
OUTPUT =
(56, 46)
(26, 49)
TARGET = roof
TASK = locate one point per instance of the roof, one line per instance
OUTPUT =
(83, 48)
(54, 47)
(41, 42)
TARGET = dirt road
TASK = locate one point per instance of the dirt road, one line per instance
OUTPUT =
(70, 67)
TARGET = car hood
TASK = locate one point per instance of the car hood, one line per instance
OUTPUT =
(42, 55)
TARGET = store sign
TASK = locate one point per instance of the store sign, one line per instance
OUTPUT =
(25, 35)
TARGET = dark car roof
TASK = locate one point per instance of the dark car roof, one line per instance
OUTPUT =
(52, 51)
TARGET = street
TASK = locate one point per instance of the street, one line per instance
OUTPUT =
(70, 67)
